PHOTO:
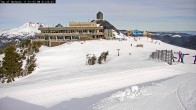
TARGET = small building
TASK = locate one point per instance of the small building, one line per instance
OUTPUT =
(137, 33)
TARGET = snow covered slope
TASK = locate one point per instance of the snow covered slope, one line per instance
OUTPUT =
(27, 29)
(62, 73)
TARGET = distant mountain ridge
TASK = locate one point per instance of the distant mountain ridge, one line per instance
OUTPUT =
(28, 29)
(181, 39)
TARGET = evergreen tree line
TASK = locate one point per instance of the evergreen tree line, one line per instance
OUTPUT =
(92, 60)
(15, 56)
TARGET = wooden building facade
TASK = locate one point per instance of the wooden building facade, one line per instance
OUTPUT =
(52, 36)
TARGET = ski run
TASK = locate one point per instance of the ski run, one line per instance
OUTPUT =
(137, 82)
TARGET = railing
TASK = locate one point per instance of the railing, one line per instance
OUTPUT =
(53, 40)
(70, 34)
(163, 55)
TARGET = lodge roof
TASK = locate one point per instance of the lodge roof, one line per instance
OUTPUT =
(59, 25)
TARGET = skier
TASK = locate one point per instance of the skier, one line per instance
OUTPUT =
(195, 59)
(180, 56)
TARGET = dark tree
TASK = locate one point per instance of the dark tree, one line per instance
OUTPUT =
(94, 59)
(105, 55)
(31, 63)
(12, 63)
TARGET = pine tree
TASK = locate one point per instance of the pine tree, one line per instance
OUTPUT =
(100, 58)
(24, 54)
(12, 64)
(31, 63)
(25, 44)
(36, 46)
(94, 59)
(1, 74)
(105, 55)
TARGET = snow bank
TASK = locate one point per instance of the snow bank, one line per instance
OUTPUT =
(128, 93)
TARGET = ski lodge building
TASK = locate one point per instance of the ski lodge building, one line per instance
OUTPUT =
(53, 36)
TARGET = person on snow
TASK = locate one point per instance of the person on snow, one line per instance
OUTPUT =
(195, 59)
(183, 55)
(182, 58)
(179, 56)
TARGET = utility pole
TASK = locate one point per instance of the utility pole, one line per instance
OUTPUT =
(118, 51)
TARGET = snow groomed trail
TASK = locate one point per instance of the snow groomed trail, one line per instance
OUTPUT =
(62, 73)
(186, 92)
(176, 93)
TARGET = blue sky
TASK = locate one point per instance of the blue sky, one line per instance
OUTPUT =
(150, 15)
